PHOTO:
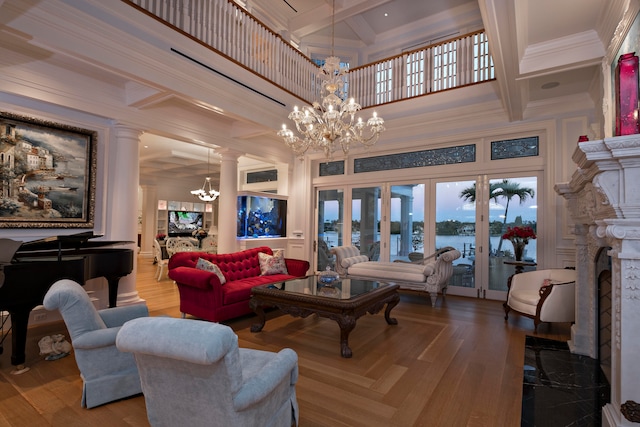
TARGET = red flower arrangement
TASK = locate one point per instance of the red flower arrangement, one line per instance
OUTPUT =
(519, 235)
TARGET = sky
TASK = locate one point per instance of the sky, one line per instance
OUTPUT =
(449, 205)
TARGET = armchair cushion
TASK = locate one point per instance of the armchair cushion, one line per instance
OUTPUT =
(97, 339)
(117, 316)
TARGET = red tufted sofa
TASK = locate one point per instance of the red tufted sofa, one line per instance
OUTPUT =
(202, 295)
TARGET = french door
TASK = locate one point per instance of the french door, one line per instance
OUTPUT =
(456, 224)
(409, 221)
(330, 214)
(472, 215)
(387, 222)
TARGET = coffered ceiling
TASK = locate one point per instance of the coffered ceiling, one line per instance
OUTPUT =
(546, 53)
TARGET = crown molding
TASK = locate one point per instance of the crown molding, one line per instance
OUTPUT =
(562, 52)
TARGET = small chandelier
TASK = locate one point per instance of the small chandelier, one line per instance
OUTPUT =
(322, 126)
(202, 193)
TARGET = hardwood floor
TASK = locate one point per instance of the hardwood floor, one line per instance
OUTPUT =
(458, 364)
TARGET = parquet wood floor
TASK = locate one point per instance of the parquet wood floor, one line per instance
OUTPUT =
(458, 364)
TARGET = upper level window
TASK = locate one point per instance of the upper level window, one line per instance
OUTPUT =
(482, 60)
(415, 73)
(445, 66)
(384, 82)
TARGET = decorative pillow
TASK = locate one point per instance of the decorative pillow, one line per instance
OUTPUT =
(205, 265)
(272, 264)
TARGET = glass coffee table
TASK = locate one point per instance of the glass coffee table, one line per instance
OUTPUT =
(343, 301)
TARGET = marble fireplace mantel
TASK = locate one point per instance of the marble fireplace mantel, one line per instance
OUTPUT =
(603, 198)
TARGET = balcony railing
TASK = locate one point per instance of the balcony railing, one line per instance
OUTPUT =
(228, 29)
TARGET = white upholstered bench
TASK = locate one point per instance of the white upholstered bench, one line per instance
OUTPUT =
(431, 275)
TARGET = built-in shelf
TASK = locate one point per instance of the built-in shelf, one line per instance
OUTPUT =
(164, 206)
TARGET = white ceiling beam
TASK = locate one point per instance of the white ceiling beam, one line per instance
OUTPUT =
(561, 53)
(362, 29)
(320, 17)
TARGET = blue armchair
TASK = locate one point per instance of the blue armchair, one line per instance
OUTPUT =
(194, 374)
(107, 373)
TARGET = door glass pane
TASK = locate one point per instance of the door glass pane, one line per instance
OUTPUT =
(406, 240)
(330, 226)
(365, 221)
(513, 202)
(456, 227)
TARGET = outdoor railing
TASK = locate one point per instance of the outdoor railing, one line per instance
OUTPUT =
(228, 29)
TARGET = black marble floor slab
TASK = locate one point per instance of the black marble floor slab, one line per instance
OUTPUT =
(560, 388)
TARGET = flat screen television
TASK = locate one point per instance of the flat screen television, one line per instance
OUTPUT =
(183, 223)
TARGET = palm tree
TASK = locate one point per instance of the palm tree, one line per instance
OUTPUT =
(508, 190)
(505, 188)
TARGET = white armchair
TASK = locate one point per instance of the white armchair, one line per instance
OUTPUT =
(209, 244)
(107, 373)
(161, 262)
(194, 374)
(543, 295)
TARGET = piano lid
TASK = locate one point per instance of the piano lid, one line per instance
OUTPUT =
(71, 241)
(8, 247)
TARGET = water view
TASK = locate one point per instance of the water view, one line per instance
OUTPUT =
(465, 244)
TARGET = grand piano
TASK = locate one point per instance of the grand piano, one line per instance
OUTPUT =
(38, 264)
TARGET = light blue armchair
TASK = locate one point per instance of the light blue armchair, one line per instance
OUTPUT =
(107, 373)
(194, 374)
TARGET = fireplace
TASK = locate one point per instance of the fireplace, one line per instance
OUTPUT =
(604, 201)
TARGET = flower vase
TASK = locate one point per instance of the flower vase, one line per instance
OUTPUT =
(626, 88)
(518, 249)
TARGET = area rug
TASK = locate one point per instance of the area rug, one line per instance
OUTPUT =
(560, 388)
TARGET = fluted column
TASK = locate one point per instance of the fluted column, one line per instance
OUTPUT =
(122, 200)
(228, 200)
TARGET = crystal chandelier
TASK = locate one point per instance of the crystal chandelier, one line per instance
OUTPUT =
(202, 193)
(323, 125)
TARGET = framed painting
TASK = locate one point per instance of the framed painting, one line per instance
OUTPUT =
(47, 174)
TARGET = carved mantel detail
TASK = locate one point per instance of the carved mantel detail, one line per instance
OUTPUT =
(604, 203)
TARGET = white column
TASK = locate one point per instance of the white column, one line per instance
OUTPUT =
(228, 200)
(149, 219)
(122, 201)
(283, 178)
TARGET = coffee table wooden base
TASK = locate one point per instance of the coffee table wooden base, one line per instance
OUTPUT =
(344, 312)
